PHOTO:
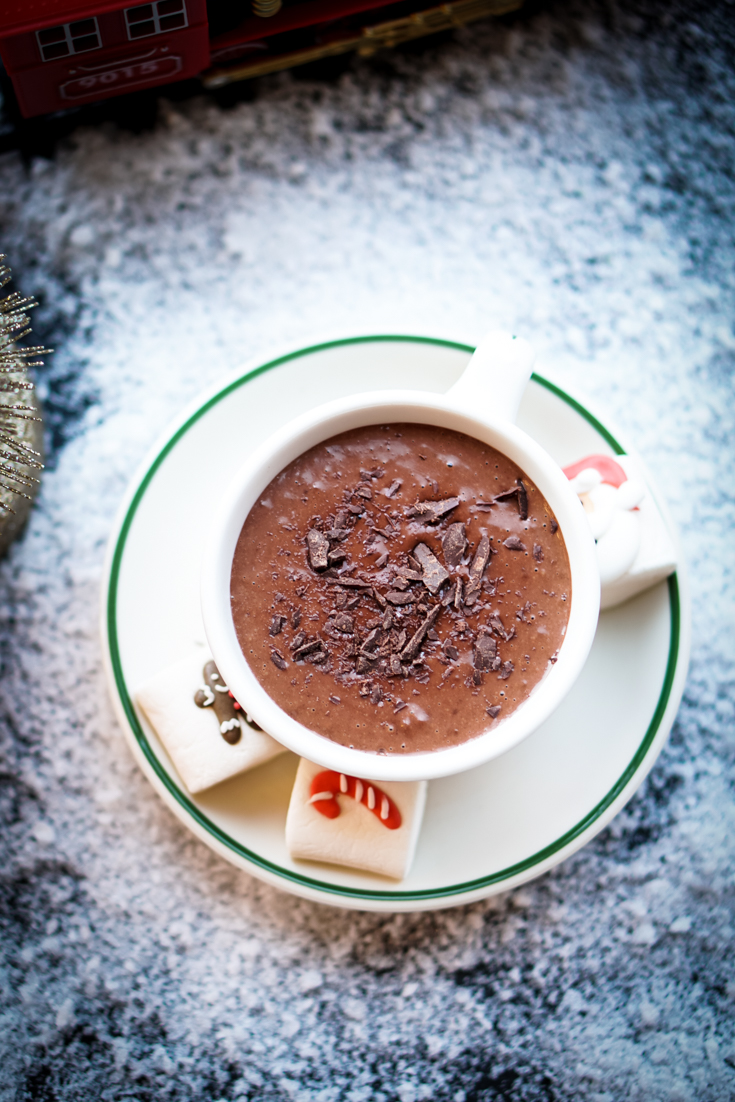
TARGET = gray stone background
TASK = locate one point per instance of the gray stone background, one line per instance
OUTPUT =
(567, 172)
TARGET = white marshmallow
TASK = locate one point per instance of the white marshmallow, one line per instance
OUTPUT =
(357, 837)
(191, 734)
(634, 547)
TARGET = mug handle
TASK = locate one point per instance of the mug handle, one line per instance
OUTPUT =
(495, 378)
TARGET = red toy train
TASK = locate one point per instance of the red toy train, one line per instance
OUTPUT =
(64, 53)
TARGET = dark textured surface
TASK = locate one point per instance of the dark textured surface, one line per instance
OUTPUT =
(568, 173)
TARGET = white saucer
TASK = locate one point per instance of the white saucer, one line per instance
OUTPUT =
(484, 831)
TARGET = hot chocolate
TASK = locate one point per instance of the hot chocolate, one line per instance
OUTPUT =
(400, 588)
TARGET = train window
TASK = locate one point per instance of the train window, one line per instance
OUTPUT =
(69, 38)
(155, 18)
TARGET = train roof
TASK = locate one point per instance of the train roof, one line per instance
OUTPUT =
(19, 16)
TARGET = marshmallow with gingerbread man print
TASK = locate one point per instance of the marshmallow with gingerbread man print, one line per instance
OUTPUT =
(634, 547)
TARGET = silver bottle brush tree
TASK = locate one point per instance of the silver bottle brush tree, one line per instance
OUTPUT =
(21, 426)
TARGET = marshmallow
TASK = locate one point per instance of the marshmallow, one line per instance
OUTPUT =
(634, 547)
(191, 734)
(345, 820)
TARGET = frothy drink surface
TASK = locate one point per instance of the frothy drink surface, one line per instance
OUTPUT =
(400, 588)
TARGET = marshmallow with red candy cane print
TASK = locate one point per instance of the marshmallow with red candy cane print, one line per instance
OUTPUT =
(634, 547)
(350, 821)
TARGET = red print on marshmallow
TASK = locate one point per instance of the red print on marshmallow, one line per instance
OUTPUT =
(328, 785)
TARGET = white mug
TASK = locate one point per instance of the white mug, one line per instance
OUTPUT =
(483, 404)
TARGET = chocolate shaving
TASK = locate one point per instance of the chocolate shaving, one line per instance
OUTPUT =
(518, 492)
(484, 652)
(522, 500)
(298, 641)
(348, 583)
(506, 670)
(336, 535)
(429, 512)
(505, 495)
(497, 624)
(414, 644)
(451, 652)
(522, 613)
(376, 695)
(334, 700)
(433, 573)
(278, 660)
(493, 711)
(307, 649)
(449, 595)
(513, 543)
(336, 556)
(477, 569)
(395, 669)
(538, 552)
(399, 706)
(276, 625)
(372, 640)
(344, 623)
(401, 583)
(554, 526)
(394, 487)
(318, 545)
(454, 542)
(295, 618)
(395, 597)
(364, 491)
